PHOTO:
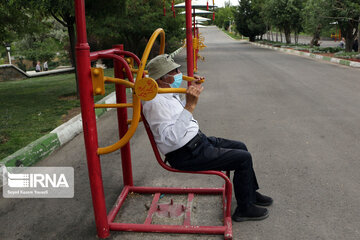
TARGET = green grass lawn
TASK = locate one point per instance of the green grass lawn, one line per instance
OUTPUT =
(33, 107)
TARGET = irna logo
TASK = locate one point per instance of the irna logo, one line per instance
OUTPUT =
(38, 182)
(34, 180)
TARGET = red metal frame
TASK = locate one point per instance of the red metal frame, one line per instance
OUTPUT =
(122, 120)
(226, 191)
(105, 222)
(189, 41)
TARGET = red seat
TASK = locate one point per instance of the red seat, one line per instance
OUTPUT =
(226, 190)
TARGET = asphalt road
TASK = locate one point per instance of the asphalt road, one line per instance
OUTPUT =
(299, 118)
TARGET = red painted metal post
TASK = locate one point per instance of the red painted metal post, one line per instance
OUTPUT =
(194, 26)
(89, 121)
(197, 49)
(189, 41)
(122, 121)
(194, 51)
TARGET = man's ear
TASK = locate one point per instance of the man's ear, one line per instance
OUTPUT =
(159, 81)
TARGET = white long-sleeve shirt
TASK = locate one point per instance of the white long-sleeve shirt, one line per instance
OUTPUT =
(171, 124)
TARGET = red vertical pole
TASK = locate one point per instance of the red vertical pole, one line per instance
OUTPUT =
(172, 7)
(122, 117)
(194, 22)
(213, 10)
(195, 54)
(89, 121)
(197, 49)
(189, 45)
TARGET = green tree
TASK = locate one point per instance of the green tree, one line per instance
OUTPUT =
(285, 15)
(131, 23)
(15, 21)
(316, 17)
(111, 22)
(248, 20)
(62, 11)
(224, 16)
(44, 44)
(347, 14)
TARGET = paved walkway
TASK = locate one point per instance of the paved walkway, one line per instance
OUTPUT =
(49, 72)
(300, 119)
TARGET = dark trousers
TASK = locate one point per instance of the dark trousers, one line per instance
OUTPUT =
(211, 153)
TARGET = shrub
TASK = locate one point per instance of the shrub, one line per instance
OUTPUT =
(325, 49)
(346, 55)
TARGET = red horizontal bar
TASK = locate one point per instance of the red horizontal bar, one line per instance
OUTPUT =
(187, 220)
(132, 227)
(118, 204)
(152, 208)
(176, 190)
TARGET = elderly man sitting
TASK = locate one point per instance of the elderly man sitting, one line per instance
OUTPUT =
(185, 147)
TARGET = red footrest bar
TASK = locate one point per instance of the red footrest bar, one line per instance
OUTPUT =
(226, 229)
(132, 227)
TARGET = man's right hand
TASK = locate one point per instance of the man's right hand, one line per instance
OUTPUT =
(192, 95)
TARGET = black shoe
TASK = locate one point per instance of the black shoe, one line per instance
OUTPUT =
(251, 213)
(262, 200)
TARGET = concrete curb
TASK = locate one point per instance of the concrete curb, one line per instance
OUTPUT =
(176, 52)
(312, 55)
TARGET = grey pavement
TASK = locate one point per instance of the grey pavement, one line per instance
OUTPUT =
(59, 70)
(299, 118)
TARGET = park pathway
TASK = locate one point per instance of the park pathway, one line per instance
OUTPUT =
(300, 119)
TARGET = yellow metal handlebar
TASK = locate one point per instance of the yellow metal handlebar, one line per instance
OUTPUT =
(145, 88)
(148, 48)
(191, 79)
(126, 138)
(136, 100)
(119, 81)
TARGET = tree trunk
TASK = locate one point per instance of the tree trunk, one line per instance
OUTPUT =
(277, 39)
(316, 36)
(72, 39)
(287, 36)
(349, 34)
(252, 38)
(358, 36)
(349, 41)
(348, 44)
(68, 21)
(281, 37)
(272, 35)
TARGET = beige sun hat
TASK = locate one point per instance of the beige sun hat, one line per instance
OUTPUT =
(161, 65)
